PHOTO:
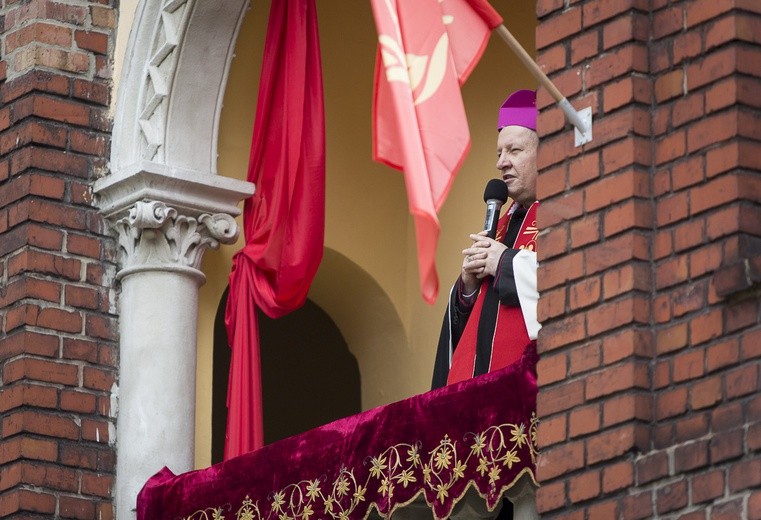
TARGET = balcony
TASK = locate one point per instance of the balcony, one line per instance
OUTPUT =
(455, 452)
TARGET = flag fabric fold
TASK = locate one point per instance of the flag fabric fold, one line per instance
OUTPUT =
(284, 221)
(426, 50)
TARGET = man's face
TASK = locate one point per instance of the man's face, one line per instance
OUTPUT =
(516, 159)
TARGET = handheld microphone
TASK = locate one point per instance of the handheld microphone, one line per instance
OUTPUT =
(495, 195)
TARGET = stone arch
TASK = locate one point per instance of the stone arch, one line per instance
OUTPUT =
(170, 96)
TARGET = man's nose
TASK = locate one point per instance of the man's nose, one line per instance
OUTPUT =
(502, 162)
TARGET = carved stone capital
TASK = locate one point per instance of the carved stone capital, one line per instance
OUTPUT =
(155, 237)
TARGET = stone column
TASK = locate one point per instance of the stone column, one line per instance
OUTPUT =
(164, 224)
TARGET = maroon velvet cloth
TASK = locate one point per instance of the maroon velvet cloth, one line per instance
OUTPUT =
(480, 432)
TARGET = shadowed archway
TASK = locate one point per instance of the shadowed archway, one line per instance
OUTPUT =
(309, 377)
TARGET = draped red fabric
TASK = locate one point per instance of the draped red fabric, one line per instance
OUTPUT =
(284, 220)
(426, 50)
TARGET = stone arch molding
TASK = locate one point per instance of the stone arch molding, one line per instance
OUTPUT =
(167, 204)
(168, 108)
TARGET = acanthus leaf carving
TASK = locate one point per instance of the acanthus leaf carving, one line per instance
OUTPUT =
(154, 236)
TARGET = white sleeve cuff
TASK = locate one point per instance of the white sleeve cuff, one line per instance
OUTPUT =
(524, 270)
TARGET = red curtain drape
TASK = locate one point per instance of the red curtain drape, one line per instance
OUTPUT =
(284, 220)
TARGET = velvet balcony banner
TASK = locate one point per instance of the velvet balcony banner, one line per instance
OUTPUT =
(426, 50)
(480, 433)
(284, 221)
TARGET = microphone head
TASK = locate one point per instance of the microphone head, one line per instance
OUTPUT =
(496, 189)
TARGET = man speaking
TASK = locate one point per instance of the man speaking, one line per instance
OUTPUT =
(491, 317)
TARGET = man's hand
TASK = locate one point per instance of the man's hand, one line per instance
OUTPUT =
(480, 260)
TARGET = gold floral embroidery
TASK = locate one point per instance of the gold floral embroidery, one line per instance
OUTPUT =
(488, 452)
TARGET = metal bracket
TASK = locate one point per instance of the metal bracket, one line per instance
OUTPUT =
(584, 135)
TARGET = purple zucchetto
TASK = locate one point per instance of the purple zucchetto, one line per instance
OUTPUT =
(519, 109)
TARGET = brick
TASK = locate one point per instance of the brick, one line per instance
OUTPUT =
(40, 370)
(104, 17)
(603, 510)
(101, 327)
(38, 32)
(88, 142)
(615, 251)
(631, 26)
(74, 401)
(687, 46)
(667, 21)
(628, 277)
(96, 431)
(75, 507)
(612, 444)
(726, 416)
(554, 241)
(707, 486)
(625, 153)
(740, 315)
(50, 476)
(552, 430)
(98, 379)
(97, 485)
(584, 486)
(582, 421)
(703, 10)
(671, 403)
(691, 427)
(751, 345)
(726, 445)
(705, 393)
(617, 476)
(29, 394)
(612, 315)
(690, 456)
(559, 398)
(630, 215)
(28, 342)
(669, 85)
(705, 260)
(672, 497)
(584, 168)
(688, 299)
(558, 27)
(585, 358)
(560, 460)
(639, 506)
(584, 293)
(626, 407)
(28, 448)
(552, 304)
(615, 188)
(627, 58)
(550, 496)
(92, 91)
(557, 210)
(28, 500)
(43, 424)
(584, 46)
(711, 68)
(744, 474)
(722, 355)
(96, 42)
(689, 365)
(559, 270)
(741, 381)
(625, 91)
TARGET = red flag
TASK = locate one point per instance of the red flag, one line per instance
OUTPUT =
(426, 50)
(284, 221)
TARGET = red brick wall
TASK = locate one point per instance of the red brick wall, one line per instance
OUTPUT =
(651, 261)
(58, 352)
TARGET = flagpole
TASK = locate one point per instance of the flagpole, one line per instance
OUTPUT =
(582, 121)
